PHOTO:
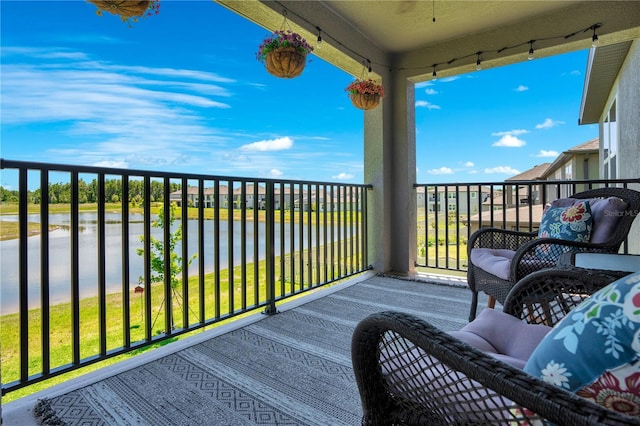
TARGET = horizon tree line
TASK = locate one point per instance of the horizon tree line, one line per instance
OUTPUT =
(60, 193)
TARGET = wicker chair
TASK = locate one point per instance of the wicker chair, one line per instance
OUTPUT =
(524, 245)
(460, 385)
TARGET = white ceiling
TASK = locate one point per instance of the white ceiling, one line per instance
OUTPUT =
(401, 35)
(404, 25)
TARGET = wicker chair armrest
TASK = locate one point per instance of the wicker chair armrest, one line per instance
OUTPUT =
(497, 238)
(547, 296)
(526, 259)
(381, 340)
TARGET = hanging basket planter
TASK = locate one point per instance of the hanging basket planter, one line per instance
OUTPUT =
(365, 101)
(284, 54)
(285, 62)
(128, 10)
(365, 94)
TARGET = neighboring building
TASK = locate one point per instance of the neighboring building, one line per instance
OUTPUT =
(445, 199)
(209, 196)
(581, 162)
(611, 98)
(577, 163)
(253, 197)
(526, 193)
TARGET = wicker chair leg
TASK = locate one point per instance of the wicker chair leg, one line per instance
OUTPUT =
(474, 305)
(491, 303)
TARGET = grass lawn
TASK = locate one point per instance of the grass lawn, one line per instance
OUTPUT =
(238, 298)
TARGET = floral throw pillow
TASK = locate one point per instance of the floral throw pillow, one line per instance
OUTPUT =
(572, 223)
(595, 350)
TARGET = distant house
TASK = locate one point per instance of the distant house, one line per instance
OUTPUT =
(611, 98)
(208, 200)
(254, 197)
(526, 193)
(581, 162)
(443, 199)
(527, 216)
(525, 201)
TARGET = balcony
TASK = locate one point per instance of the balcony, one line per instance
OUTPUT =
(289, 368)
(122, 272)
(114, 255)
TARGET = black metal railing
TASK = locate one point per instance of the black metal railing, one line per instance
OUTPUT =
(122, 259)
(448, 213)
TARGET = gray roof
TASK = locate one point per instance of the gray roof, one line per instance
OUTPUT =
(590, 147)
(603, 66)
(534, 173)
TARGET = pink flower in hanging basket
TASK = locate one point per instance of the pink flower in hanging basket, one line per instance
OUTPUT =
(365, 87)
(283, 39)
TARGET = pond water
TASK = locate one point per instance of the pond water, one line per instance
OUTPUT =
(60, 257)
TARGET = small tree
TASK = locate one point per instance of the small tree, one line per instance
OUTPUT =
(156, 256)
(157, 251)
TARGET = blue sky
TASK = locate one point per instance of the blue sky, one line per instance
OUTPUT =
(182, 91)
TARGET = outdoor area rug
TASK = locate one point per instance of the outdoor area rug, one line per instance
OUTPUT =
(293, 368)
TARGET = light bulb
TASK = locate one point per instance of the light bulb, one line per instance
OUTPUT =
(594, 41)
(530, 57)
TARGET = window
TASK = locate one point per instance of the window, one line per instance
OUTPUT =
(610, 144)
(568, 171)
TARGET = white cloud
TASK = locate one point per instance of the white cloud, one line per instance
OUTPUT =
(112, 164)
(424, 84)
(507, 170)
(473, 172)
(343, 176)
(269, 145)
(469, 164)
(275, 173)
(510, 141)
(545, 153)
(114, 115)
(426, 104)
(521, 88)
(549, 123)
(430, 91)
(441, 171)
(514, 132)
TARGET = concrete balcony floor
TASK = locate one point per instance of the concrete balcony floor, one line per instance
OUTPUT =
(290, 368)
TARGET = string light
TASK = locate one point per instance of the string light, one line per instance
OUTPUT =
(531, 57)
(433, 9)
(478, 62)
(594, 38)
(319, 43)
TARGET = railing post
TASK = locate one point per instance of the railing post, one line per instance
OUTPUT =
(270, 308)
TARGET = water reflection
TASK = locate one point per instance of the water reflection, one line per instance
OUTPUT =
(60, 258)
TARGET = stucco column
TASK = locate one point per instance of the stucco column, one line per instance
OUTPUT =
(390, 167)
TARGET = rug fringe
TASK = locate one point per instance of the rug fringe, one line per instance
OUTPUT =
(45, 415)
